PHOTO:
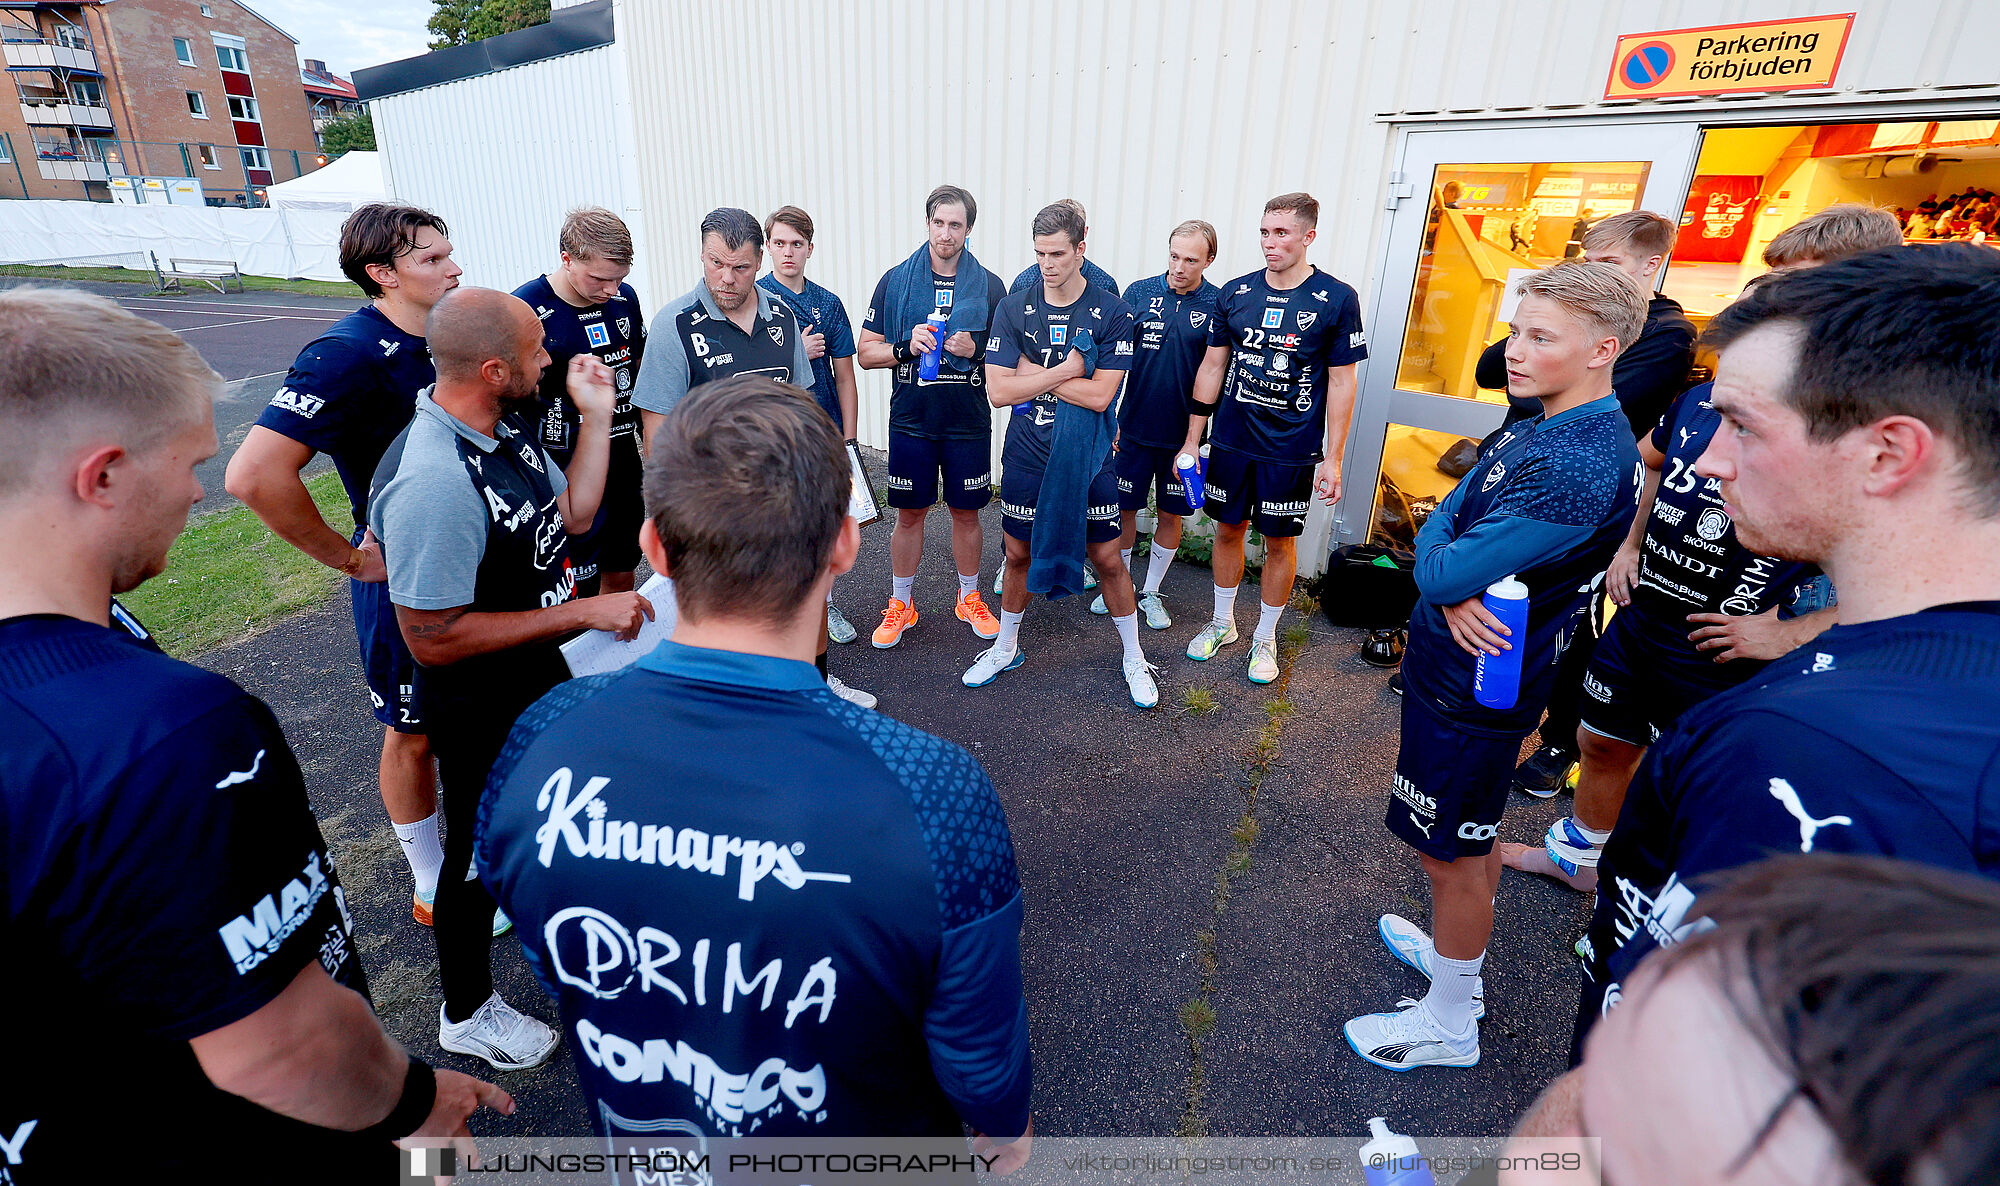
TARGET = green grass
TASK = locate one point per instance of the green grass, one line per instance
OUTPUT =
(1198, 700)
(325, 288)
(227, 576)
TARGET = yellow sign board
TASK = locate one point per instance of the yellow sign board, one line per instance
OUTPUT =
(1788, 55)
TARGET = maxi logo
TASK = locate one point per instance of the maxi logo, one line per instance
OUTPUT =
(592, 951)
(252, 938)
(730, 1097)
(1662, 915)
(652, 844)
(298, 403)
(10, 1147)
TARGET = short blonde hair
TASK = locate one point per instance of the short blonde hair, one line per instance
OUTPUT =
(73, 362)
(592, 232)
(1195, 226)
(1835, 233)
(1649, 233)
(1598, 292)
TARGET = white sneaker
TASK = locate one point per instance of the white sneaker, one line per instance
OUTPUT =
(500, 1034)
(1000, 577)
(1155, 611)
(1089, 576)
(1213, 637)
(852, 695)
(1409, 1038)
(501, 923)
(991, 662)
(1099, 606)
(1263, 660)
(1139, 681)
(1408, 942)
(838, 628)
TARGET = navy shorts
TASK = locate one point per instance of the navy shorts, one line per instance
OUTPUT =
(612, 544)
(915, 464)
(1632, 694)
(1450, 785)
(1142, 469)
(1020, 487)
(1273, 496)
(385, 659)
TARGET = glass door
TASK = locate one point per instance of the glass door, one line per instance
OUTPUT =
(1474, 211)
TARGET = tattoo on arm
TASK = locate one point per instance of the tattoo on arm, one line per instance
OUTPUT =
(437, 625)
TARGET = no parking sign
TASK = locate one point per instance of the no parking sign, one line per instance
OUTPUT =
(1721, 59)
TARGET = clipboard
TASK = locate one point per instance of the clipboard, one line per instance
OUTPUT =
(861, 498)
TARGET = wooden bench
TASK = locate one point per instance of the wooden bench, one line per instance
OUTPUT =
(216, 273)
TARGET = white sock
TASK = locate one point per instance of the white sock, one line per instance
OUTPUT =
(1157, 560)
(1450, 999)
(1010, 629)
(968, 584)
(900, 587)
(1128, 633)
(1591, 834)
(422, 850)
(1125, 554)
(1267, 622)
(1225, 604)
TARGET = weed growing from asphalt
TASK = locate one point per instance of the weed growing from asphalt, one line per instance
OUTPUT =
(1197, 700)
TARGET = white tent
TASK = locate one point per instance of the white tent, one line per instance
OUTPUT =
(352, 181)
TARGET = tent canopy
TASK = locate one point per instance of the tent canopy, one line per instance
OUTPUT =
(352, 181)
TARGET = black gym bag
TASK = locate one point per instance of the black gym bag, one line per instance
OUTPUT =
(1368, 586)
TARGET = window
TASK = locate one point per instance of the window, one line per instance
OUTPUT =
(6, 157)
(72, 37)
(87, 91)
(231, 58)
(208, 159)
(206, 11)
(256, 158)
(197, 106)
(183, 51)
(242, 108)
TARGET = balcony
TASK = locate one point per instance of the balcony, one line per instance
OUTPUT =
(64, 113)
(72, 169)
(49, 55)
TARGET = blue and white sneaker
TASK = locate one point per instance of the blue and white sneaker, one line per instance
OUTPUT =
(1139, 681)
(1569, 848)
(1089, 576)
(1212, 638)
(1100, 606)
(991, 662)
(1408, 943)
(1263, 667)
(1156, 613)
(1408, 1039)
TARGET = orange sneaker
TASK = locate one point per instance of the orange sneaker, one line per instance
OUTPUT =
(973, 612)
(420, 906)
(900, 616)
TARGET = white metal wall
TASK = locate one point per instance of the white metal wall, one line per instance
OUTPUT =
(1149, 112)
(503, 156)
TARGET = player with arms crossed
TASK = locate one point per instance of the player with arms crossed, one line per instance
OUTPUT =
(1286, 340)
(1548, 501)
(1056, 358)
(1173, 309)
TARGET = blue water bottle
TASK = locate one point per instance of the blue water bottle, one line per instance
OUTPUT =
(1391, 1159)
(1192, 479)
(927, 365)
(1496, 679)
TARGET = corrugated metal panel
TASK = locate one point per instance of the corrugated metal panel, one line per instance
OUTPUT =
(1147, 112)
(503, 156)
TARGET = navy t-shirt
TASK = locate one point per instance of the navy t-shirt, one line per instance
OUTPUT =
(818, 312)
(1548, 501)
(1282, 344)
(1171, 340)
(1027, 326)
(818, 938)
(953, 406)
(615, 332)
(350, 392)
(1689, 560)
(1875, 738)
(161, 876)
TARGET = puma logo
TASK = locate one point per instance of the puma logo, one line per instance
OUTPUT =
(1425, 826)
(1808, 826)
(239, 776)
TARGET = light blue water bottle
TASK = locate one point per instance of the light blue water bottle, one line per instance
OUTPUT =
(1391, 1159)
(927, 365)
(1496, 679)
(1193, 480)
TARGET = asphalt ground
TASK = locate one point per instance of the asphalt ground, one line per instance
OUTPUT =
(1122, 821)
(250, 339)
